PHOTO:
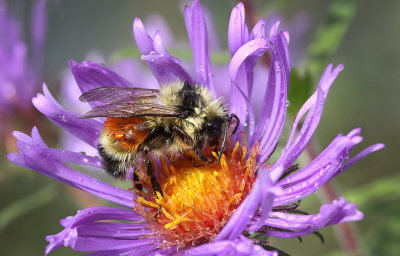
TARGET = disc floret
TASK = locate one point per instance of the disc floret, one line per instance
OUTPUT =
(198, 200)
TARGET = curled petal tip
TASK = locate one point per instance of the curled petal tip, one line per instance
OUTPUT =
(354, 132)
(377, 147)
(137, 21)
(72, 63)
(356, 139)
(240, 5)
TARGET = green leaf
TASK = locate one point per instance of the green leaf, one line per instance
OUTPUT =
(329, 35)
(299, 90)
(376, 191)
(26, 204)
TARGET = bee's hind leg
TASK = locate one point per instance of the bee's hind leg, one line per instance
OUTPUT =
(154, 182)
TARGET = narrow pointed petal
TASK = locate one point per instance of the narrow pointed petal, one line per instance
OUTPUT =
(197, 31)
(314, 105)
(237, 30)
(258, 30)
(363, 154)
(35, 155)
(323, 168)
(87, 130)
(165, 67)
(143, 40)
(90, 75)
(242, 216)
(299, 225)
(273, 115)
(241, 246)
(267, 198)
(87, 231)
(238, 76)
(262, 194)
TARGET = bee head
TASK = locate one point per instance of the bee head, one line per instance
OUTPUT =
(213, 128)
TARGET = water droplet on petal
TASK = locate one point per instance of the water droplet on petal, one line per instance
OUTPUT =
(62, 118)
(287, 103)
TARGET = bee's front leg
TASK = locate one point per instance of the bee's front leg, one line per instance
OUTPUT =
(154, 182)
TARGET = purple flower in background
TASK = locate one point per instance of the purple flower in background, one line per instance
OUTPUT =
(205, 211)
(20, 76)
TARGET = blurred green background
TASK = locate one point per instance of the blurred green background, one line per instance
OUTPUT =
(363, 35)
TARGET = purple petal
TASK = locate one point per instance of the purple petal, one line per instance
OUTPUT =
(263, 192)
(91, 75)
(241, 246)
(314, 106)
(267, 197)
(252, 48)
(272, 118)
(323, 168)
(247, 58)
(238, 75)
(156, 24)
(258, 30)
(143, 40)
(363, 154)
(164, 66)
(166, 69)
(274, 29)
(250, 113)
(35, 155)
(87, 130)
(136, 74)
(87, 231)
(330, 214)
(197, 31)
(74, 157)
(243, 214)
(237, 30)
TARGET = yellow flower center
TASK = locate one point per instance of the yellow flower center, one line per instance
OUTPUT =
(197, 201)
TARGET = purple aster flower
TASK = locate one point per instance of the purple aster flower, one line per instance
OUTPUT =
(209, 210)
(18, 72)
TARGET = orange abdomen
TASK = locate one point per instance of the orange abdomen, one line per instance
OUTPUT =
(126, 134)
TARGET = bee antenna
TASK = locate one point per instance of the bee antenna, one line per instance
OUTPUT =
(237, 122)
(226, 133)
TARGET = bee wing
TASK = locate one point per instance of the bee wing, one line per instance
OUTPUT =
(135, 108)
(115, 94)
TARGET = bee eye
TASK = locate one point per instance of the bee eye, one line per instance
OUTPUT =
(213, 127)
(209, 125)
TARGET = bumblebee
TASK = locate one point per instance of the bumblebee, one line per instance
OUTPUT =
(143, 123)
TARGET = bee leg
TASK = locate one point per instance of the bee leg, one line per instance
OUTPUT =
(200, 155)
(138, 186)
(197, 165)
(154, 182)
